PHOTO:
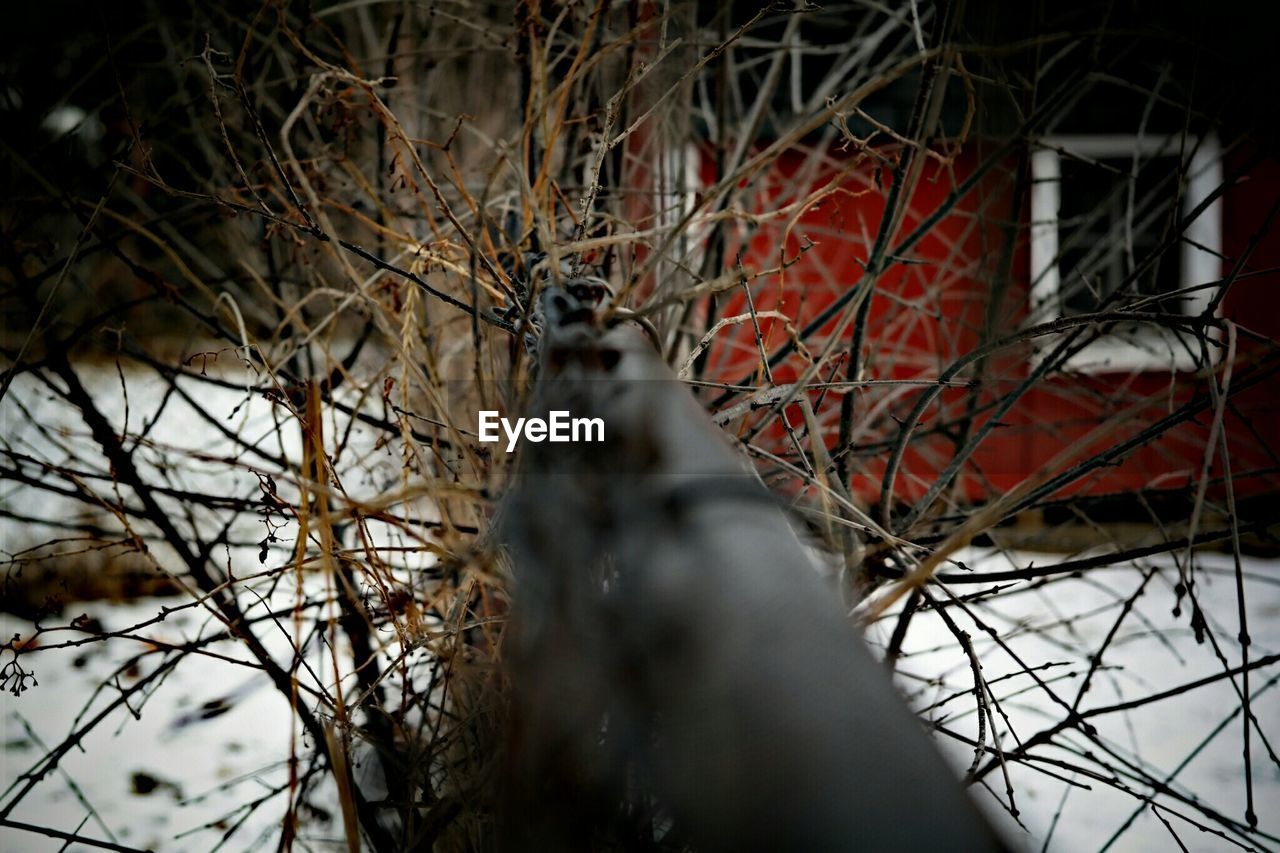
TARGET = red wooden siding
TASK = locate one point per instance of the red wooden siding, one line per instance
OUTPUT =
(930, 309)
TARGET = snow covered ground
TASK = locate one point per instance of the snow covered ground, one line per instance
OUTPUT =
(173, 768)
(207, 739)
(1057, 629)
(213, 735)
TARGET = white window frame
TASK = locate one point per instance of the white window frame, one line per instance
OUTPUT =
(1152, 347)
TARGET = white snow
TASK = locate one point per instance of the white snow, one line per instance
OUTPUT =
(1152, 652)
(208, 768)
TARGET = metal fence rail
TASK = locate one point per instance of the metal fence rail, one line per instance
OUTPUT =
(681, 673)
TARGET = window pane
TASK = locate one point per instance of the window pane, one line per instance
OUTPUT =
(1112, 223)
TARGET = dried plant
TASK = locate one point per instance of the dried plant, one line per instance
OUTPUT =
(264, 263)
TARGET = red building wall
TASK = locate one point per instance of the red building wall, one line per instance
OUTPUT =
(965, 282)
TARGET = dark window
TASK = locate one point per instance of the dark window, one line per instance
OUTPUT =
(1114, 222)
